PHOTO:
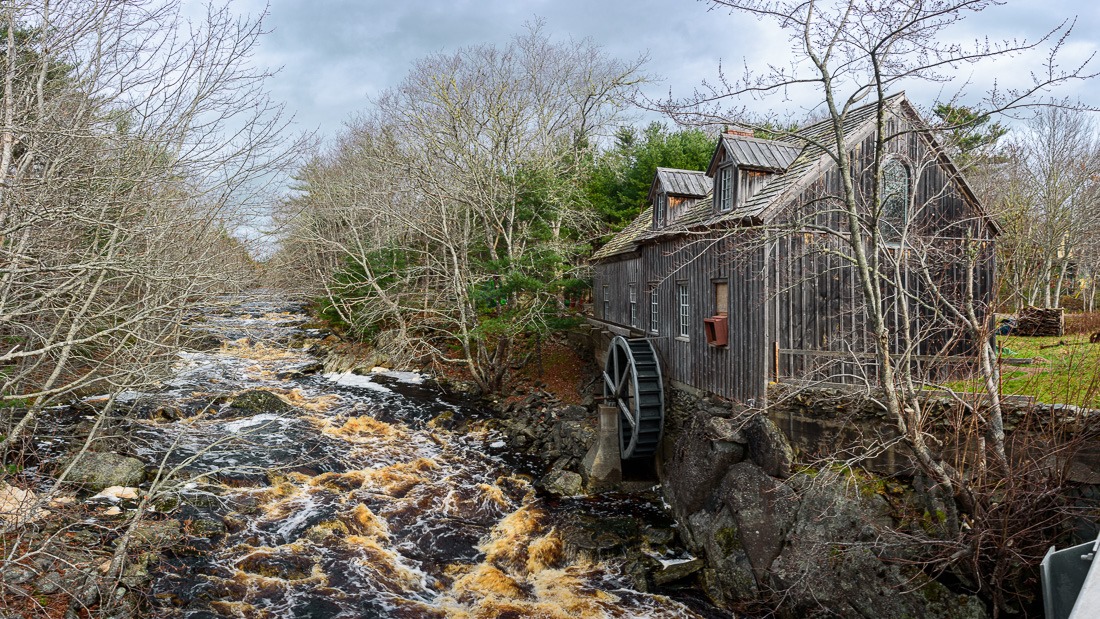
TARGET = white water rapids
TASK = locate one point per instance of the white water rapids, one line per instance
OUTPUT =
(359, 498)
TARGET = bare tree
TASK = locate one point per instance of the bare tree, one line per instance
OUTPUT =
(126, 151)
(915, 280)
(450, 210)
(1049, 204)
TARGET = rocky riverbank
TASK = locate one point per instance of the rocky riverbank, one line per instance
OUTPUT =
(799, 541)
(256, 483)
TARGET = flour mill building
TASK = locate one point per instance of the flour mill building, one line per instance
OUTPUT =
(739, 276)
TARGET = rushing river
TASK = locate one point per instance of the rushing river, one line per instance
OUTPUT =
(350, 497)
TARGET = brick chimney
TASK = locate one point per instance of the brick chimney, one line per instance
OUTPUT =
(739, 132)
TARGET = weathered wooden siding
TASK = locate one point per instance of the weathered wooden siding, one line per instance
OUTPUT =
(795, 309)
(614, 277)
(817, 319)
(736, 371)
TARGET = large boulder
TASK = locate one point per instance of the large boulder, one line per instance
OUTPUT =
(97, 471)
(563, 483)
(763, 510)
(729, 576)
(768, 446)
(697, 464)
(829, 559)
(258, 401)
(808, 544)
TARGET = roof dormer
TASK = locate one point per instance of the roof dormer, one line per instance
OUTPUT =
(742, 165)
(673, 192)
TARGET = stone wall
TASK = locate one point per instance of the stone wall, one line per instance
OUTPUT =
(824, 422)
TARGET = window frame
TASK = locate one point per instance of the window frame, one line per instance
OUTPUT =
(683, 313)
(632, 303)
(606, 302)
(724, 195)
(892, 229)
(719, 300)
(654, 309)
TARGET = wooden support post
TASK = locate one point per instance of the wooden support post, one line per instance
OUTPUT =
(775, 358)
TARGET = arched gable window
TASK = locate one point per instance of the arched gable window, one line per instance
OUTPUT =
(895, 200)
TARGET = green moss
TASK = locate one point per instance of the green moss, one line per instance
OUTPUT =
(729, 540)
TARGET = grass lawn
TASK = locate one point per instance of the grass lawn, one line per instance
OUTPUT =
(1065, 370)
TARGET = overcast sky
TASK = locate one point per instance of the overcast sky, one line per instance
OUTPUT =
(336, 54)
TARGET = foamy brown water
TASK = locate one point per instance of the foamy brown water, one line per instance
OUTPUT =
(355, 504)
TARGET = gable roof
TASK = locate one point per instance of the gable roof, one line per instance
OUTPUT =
(754, 153)
(811, 161)
(626, 240)
(680, 183)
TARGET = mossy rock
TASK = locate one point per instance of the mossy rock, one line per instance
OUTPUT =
(259, 401)
(157, 534)
(283, 565)
(96, 471)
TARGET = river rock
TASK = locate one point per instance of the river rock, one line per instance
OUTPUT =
(591, 538)
(207, 527)
(18, 506)
(157, 534)
(564, 483)
(277, 564)
(201, 341)
(671, 571)
(117, 493)
(299, 371)
(768, 446)
(258, 401)
(97, 471)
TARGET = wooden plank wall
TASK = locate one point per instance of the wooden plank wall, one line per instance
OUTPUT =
(797, 290)
(616, 274)
(816, 311)
(736, 371)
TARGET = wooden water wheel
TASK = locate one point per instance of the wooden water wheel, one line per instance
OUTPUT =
(632, 381)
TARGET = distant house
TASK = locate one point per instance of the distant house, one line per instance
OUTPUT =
(731, 275)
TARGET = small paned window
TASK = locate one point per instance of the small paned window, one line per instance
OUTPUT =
(895, 201)
(660, 208)
(721, 298)
(632, 291)
(685, 308)
(725, 188)
(654, 311)
(607, 302)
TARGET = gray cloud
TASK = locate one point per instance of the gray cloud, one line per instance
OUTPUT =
(336, 54)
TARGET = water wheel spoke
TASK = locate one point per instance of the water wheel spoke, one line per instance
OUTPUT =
(627, 414)
(622, 382)
(609, 384)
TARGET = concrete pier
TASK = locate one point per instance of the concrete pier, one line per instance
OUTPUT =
(606, 470)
